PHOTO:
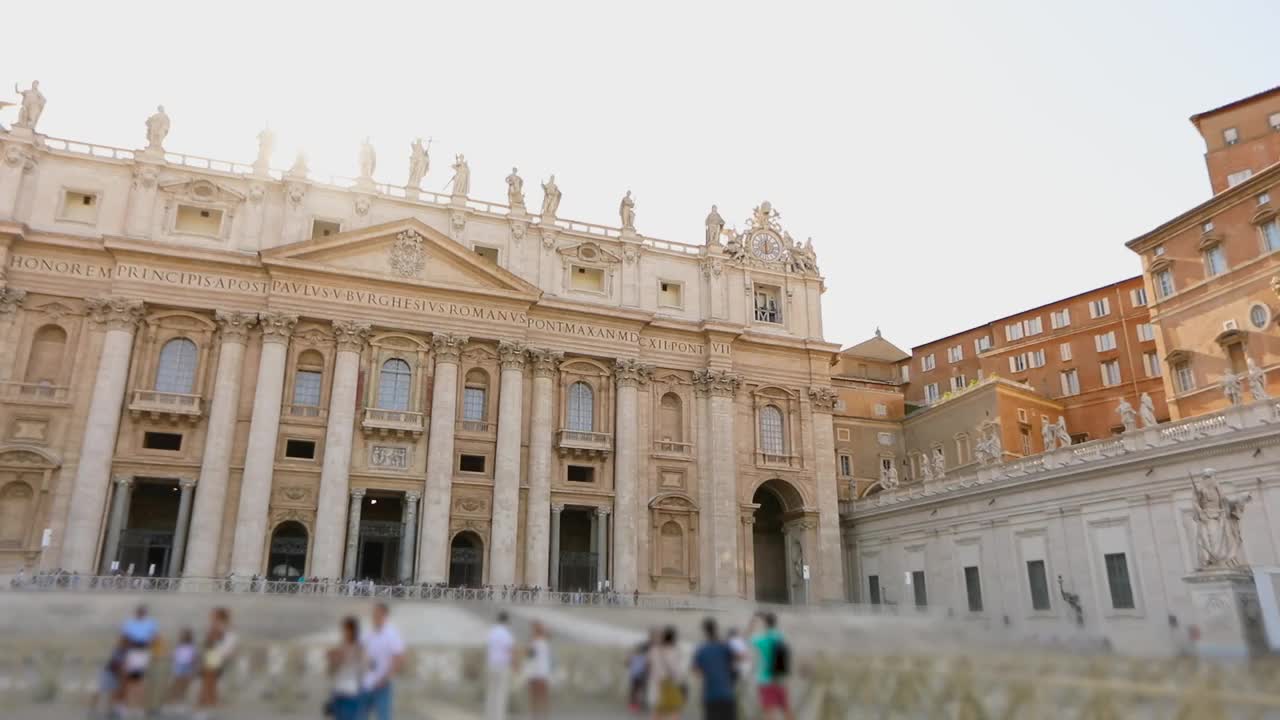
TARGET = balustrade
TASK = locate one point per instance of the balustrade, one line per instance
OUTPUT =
(400, 422)
(172, 406)
(584, 442)
(42, 392)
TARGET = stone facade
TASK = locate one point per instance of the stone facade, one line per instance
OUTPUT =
(221, 368)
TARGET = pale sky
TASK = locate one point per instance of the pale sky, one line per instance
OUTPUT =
(953, 161)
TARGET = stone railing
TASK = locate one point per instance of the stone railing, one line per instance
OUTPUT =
(173, 406)
(304, 412)
(778, 461)
(583, 442)
(399, 422)
(39, 392)
(482, 427)
(671, 447)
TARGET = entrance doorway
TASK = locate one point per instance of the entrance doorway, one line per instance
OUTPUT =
(378, 554)
(466, 560)
(579, 560)
(288, 558)
(770, 548)
(146, 544)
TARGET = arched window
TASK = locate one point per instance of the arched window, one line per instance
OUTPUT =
(771, 431)
(393, 385)
(581, 407)
(671, 421)
(475, 396)
(176, 371)
(672, 544)
(48, 347)
(307, 379)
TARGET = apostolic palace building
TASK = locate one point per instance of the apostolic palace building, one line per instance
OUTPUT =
(208, 368)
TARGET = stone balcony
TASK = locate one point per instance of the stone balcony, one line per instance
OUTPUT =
(41, 393)
(165, 406)
(583, 443)
(304, 413)
(671, 448)
(388, 422)
(475, 427)
(784, 462)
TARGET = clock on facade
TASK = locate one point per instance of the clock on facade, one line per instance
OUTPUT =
(766, 246)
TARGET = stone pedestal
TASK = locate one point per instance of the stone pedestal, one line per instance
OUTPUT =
(1225, 608)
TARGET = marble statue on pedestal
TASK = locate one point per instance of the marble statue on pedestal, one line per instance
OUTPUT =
(926, 469)
(31, 107)
(889, 477)
(368, 160)
(1217, 517)
(1257, 381)
(419, 162)
(1048, 435)
(715, 225)
(627, 212)
(939, 465)
(266, 144)
(515, 190)
(1231, 388)
(299, 167)
(1147, 410)
(550, 198)
(157, 129)
(1060, 432)
(989, 447)
(1128, 415)
(461, 176)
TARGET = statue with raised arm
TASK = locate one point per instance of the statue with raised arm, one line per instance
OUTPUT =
(926, 469)
(1218, 539)
(627, 212)
(419, 162)
(266, 144)
(1257, 381)
(715, 225)
(368, 160)
(1060, 432)
(1147, 410)
(550, 199)
(31, 107)
(1128, 415)
(515, 190)
(1231, 388)
(157, 129)
(461, 176)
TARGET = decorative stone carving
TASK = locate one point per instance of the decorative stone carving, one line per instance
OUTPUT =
(707, 381)
(1231, 388)
(412, 496)
(351, 336)
(989, 447)
(1128, 415)
(11, 299)
(408, 255)
(115, 313)
(394, 457)
(714, 226)
(461, 176)
(1047, 435)
(31, 107)
(1147, 410)
(357, 493)
(458, 220)
(590, 252)
(631, 372)
(545, 362)
(549, 236)
(448, 348)
(257, 191)
(515, 191)
(469, 504)
(233, 325)
(1257, 381)
(276, 326)
(361, 205)
(157, 130)
(627, 213)
(368, 159)
(939, 464)
(1217, 517)
(550, 200)
(1060, 432)
(630, 254)
(711, 266)
(294, 493)
(889, 477)
(823, 398)
(518, 228)
(16, 154)
(295, 192)
(602, 513)
(511, 355)
(419, 162)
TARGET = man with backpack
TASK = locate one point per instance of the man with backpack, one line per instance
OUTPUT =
(772, 668)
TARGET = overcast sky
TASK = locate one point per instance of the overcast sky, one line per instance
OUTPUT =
(953, 161)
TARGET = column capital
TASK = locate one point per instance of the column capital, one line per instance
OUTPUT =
(186, 483)
(557, 508)
(116, 313)
(122, 481)
(603, 512)
(545, 362)
(823, 398)
(276, 326)
(234, 326)
(412, 496)
(357, 493)
(720, 383)
(11, 299)
(351, 336)
(630, 373)
(448, 348)
(511, 355)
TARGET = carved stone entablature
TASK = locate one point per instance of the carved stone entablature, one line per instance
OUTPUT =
(408, 254)
(291, 514)
(233, 325)
(448, 348)
(589, 253)
(545, 362)
(116, 313)
(720, 383)
(351, 336)
(630, 372)
(202, 191)
(512, 355)
(823, 398)
(276, 326)
(11, 299)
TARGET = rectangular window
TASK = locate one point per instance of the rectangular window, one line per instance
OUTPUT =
(1064, 351)
(79, 207)
(1060, 318)
(1264, 198)
(473, 402)
(1039, 582)
(1186, 381)
(768, 304)
(955, 353)
(1013, 332)
(1151, 362)
(1274, 121)
(1018, 363)
(1236, 178)
(488, 253)
(324, 228)
(957, 383)
(846, 466)
(670, 294)
(1105, 341)
(982, 344)
(927, 363)
(1271, 235)
(973, 588)
(1138, 297)
(1100, 308)
(306, 388)
(1146, 332)
(581, 474)
(1036, 359)
(1118, 581)
(300, 449)
(881, 410)
(198, 221)
(471, 463)
(1164, 284)
(931, 393)
(1070, 382)
(1111, 373)
(906, 373)
(1034, 326)
(162, 441)
(873, 589)
(585, 278)
(1215, 263)
(1231, 136)
(918, 589)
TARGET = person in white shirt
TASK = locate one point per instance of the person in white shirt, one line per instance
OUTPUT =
(499, 656)
(538, 673)
(384, 650)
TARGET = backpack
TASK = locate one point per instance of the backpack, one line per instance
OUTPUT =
(781, 659)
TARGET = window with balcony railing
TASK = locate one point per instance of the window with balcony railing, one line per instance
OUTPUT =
(393, 385)
(581, 407)
(771, 438)
(176, 369)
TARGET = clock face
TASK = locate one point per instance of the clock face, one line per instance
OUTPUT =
(765, 246)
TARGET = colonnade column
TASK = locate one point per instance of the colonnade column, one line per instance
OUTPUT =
(259, 459)
(554, 580)
(215, 467)
(830, 585)
(409, 536)
(705, 447)
(433, 550)
(353, 536)
(180, 530)
(120, 316)
(116, 522)
(602, 552)
(722, 387)
(538, 502)
(326, 550)
(629, 375)
(506, 468)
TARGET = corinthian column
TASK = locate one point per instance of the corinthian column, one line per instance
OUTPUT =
(185, 485)
(89, 489)
(629, 375)
(326, 553)
(433, 551)
(353, 536)
(259, 459)
(409, 537)
(10, 300)
(705, 448)
(538, 502)
(506, 469)
(830, 585)
(211, 491)
(721, 387)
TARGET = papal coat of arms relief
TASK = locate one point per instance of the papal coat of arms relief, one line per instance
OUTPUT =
(407, 256)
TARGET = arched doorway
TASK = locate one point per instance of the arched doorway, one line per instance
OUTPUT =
(769, 540)
(288, 558)
(466, 560)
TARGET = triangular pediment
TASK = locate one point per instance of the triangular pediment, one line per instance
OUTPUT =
(407, 251)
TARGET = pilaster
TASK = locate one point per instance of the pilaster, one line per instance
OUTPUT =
(506, 474)
(326, 553)
(541, 544)
(629, 375)
(830, 578)
(433, 551)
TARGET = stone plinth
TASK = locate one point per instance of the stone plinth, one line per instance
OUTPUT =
(1225, 608)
